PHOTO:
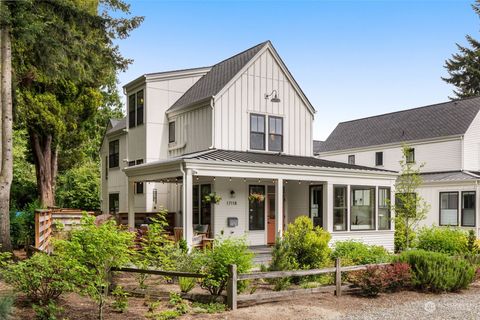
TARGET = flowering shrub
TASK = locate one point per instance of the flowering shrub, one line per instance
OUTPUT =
(376, 279)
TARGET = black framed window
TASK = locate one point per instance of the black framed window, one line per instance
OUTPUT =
(136, 106)
(131, 163)
(410, 155)
(316, 205)
(339, 208)
(275, 133)
(351, 159)
(139, 187)
(171, 132)
(362, 208)
(139, 161)
(113, 203)
(379, 158)
(449, 208)
(257, 132)
(468, 208)
(106, 168)
(256, 209)
(202, 210)
(140, 102)
(113, 153)
(384, 217)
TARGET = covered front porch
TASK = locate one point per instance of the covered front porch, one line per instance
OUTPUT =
(261, 193)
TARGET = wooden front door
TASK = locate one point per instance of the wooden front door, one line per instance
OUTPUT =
(271, 234)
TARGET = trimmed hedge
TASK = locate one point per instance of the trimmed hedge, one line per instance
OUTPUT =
(451, 241)
(438, 272)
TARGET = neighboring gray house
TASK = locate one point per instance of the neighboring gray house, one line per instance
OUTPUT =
(241, 128)
(445, 137)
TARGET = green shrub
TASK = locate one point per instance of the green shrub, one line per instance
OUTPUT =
(357, 253)
(47, 312)
(212, 307)
(42, 278)
(120, 302)
(451, 241)
(186, 284)
(438, 272)
(215, 262)
(400, 240)
(6, 305)
(22, 225)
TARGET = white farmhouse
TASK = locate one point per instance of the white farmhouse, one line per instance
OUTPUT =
(444, 137)
(241, 130)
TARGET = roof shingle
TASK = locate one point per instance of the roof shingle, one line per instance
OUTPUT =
(434, 121)
(214, 81)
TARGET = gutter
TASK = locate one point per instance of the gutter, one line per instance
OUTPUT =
(212, 105)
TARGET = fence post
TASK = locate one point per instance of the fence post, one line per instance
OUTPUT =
(338, 278)
(232, 287)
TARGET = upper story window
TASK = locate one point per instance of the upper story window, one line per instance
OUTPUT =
(351, 159)
(257, 132)
(135, 109)
(113, 153)
(379, 158)
(410, 155)
(275, 133)
(171, 132)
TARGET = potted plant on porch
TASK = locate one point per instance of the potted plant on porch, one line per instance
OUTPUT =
(212, 197)
(256, 197)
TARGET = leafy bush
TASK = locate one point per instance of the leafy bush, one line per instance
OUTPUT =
(400, 236)
(302, 247)
(376, 279)
(47, 312)
(120, 303)
(6, 305)
(451, 241)
(97, 249)
(438, 272)
(215, 262)
(357, 253)
(22, 225)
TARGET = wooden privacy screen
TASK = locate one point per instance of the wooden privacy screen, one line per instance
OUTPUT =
(43, 229)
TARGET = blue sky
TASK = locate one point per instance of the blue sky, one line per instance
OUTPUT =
(352, 58)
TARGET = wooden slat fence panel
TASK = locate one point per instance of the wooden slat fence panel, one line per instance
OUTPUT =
(43, 229)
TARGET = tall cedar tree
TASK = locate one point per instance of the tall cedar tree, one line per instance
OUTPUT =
(63, 58)
(464, 67)
(6, 131)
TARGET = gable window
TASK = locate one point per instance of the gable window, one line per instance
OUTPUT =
(113, 153)
(362, 210)
(379, 158)
(448, 208)
(113, 203)
(171, 132)
(275, 133)
(257, 132)
(410, 155)
(351, 159)
(384, 209)
(135, 109)
(468, 208)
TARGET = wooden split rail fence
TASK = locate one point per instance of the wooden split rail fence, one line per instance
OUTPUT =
(234, 277)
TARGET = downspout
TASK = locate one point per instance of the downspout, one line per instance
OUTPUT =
(183, 194)
(212, 105)
(463, 151)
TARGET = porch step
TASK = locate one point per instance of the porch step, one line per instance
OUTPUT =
(263, 256)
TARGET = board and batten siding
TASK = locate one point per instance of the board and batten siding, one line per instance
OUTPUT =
(471, 146)
(436, 155)
(379, 237)
(246, 95)
(193, 131)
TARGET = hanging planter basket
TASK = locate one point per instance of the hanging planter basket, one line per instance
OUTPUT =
(212, 198)
(256, 197)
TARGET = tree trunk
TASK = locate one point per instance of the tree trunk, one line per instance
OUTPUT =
(6, 116)
(45, 156)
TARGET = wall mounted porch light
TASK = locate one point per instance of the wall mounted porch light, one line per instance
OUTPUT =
(274, 95)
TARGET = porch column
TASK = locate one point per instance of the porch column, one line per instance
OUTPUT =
(131, 204)
(187, 191)
(328, 214)
(279, 208)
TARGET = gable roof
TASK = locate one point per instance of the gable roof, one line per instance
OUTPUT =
(317, 146)
(217, 78)
(117, 125)
(434, 121)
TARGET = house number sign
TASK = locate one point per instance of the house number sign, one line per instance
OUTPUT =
(231, 203)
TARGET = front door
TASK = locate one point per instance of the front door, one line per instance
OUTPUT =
(316, 205)
(271, 234)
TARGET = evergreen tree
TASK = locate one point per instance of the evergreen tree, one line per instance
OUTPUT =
(464, 67)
